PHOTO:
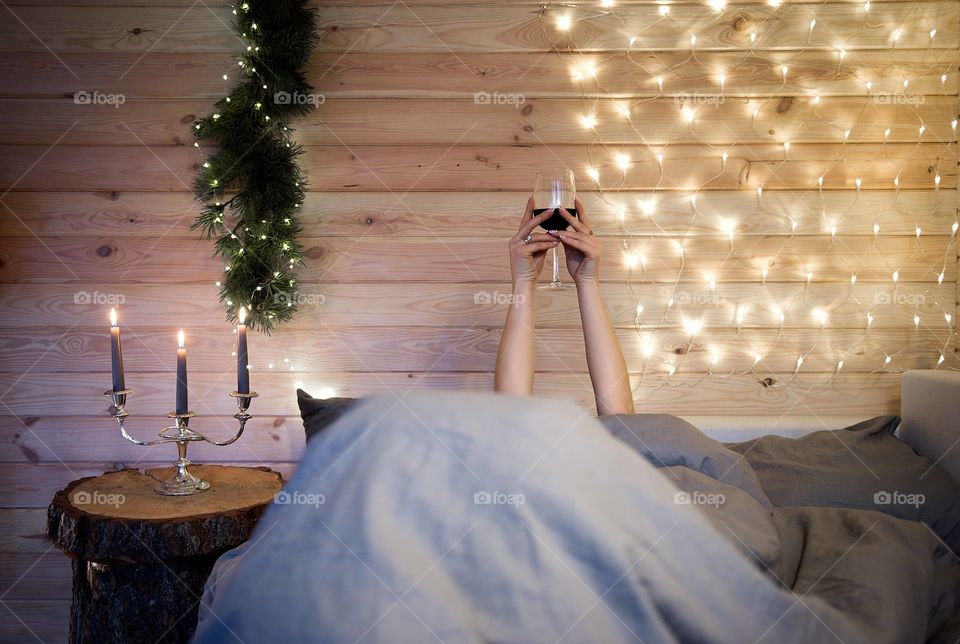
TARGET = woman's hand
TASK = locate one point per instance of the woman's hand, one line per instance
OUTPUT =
(528, 249)
(581, 248)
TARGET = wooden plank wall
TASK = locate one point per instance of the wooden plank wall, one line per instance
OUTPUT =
(414, 188)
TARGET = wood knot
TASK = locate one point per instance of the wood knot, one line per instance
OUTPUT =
(136, 31)
(368, 221)
(768, 382)
(741, 24)
(785, 104)
(104, 251)
(189, 118)
(527, 109)
(528, 128)
(114, 196)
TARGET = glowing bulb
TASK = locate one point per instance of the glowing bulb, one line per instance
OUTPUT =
(639, 310)
(693, 40)
(753, 37)
(896, 276)
(774, 3)
(687, 113)
(936, 180)
(820, 181)
(918, 230)
(869, 319)
(853, 279)
(809, 276)
(756, 113)
(943, 78)
(846, 134)
(759, 191)
(896, 34)
(896, 181)
(916, 321)
(906, 83)
(671, 369)
(724, 157)
(659, 80)
(922, 130)
(816, 100)
(647, 206)
(953, 125)
(564, 22)
(623, 161)
(664, 10)
(647, 349)
(876, 229)
(954, 227)
(660, 160)
(933, 34)
(843, 54)
(866, 6)
(887, 360)
(718, 5)
(786, 147)
(799, 362)
(783, 71)
(833, 231)
(764, 272)
(948, 318)
(839, 365)
(868, 85)
(813, 23)
(940, 277)
(821, 316)
(624, 109)
(723, 80)
(588, 121)
(593, 173)
(741, 311)
(711, 282)
(940, 360)
(691, 326)
(859, 182)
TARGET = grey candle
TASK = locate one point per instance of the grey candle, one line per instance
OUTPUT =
(243, 369)
(116, 355)
(182, 404)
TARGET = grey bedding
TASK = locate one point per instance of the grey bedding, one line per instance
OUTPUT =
(474, 518)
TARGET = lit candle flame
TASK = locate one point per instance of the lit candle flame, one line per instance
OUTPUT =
(113, 317)
(180, 339)
(242, 315)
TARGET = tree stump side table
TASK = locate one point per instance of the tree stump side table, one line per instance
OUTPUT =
(140, 560)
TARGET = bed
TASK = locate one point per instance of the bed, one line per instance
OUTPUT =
(465, 517)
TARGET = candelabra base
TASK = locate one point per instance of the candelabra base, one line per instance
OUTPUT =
(177, 486)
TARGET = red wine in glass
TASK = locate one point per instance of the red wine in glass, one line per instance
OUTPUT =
(556, 221)
(555, 189)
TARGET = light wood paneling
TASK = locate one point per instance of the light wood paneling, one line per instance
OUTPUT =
(417, 182)
(441, 215)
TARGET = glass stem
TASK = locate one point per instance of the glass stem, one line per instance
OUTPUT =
(556, 267)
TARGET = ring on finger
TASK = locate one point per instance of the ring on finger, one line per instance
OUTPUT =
(528, 239)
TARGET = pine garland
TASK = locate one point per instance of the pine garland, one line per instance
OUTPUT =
(252, 187)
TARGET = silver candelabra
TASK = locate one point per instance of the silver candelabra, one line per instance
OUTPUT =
(183, 482)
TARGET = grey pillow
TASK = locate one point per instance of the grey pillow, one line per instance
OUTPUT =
(317, 413)
(668, 441)
(863, 466)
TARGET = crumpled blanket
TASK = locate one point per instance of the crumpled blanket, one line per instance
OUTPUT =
(483, 518)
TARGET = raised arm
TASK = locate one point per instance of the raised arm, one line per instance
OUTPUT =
(516, 356)
(608, 370)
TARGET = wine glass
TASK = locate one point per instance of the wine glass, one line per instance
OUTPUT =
(555, 188)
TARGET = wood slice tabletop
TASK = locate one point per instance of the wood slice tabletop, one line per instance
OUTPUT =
(117, 517)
